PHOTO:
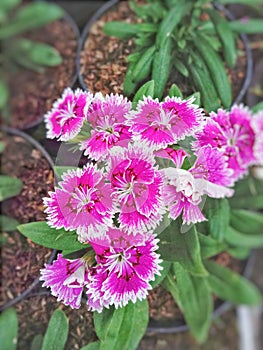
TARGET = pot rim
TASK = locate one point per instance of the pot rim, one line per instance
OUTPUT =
(229, 15)
(68, 19)
(36, 145)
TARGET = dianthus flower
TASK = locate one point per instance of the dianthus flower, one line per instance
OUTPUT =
(184, 189)
(107, 116)
(257, 124)
(67, 115)
(231, 133)
(164, 123)
(82, 202)
(66, 279)
(126, 265)
(136, 185)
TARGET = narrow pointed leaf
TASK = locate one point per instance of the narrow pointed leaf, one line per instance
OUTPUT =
(230, 286)
(209, 246)
(37, 342)
(218, 215)
(4, 94)
(146, 89)
(195, 300)
(122, 328)
(41, 233)
(240, 239)
(247, 221)
(174, 91)
(92, 346)
(7, 223)
(57, 332)
(182, 247)
(9, 187)
(248, 26)
(159, 278)
(8, 329)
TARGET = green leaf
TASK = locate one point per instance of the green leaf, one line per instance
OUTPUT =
(4, 94)
(226, 36)
(31, 16)
(159, 278)
(128, 84)
(146, 89)
(230, 286)
(216, 69)
(182, 247)
(122, 328)
(240, 239)
(59, 170)
(175, 91)
(161, 67)
(239, 252)
(171, 20)
(37, 342)
(57, 332)
(2, 147)
(180, 67)
(124, 30)
(41, 233)
(7, 5)
(218, 215)
(92, 346)
(8, 329)
(142, 68)
(255, 202)
(244, 2)
(7, 223)
(195, 300)
(38, 53)
(209, 246)
(248, 26)
(9, 187)
(258, 107)
(247, 221)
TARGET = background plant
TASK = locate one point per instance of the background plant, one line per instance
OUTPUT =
(188, 41)
(16, 50)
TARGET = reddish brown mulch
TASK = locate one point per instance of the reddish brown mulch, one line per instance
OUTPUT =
(32, 93)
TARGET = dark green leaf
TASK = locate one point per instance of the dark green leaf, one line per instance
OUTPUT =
(8, 329)
(195, 301)
(258, 107)
(60, 170)
(226, 36)
(122, 328)
(255, 202)
(4, 94)
(37, 342)
(182, 247)
(218, 215)
(128, 84)
(248, 26)
(240, 239)
(7, 223)
(7, 5)
(41, 233)
(180, 67)
(92, 346)
(209, 246)
(2, 147)
(174, 91)
(239, 252)
(31, 16)
(124, 30)
(247, 221)
(143, 66)
(57, 332)
(230, 286)
(161, 67)
(159, 278)
(146, 89)
(9, 187)
(197, 98)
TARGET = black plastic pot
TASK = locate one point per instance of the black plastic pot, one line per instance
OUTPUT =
(30, 289)
(31, 126)
(229, 15)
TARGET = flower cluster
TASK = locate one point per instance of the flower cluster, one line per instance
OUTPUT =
(140, 172)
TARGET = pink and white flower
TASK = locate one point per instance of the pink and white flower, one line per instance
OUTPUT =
(136, 186)
(82, 202)
(66, 279)
(164, 123)
(257, 124)
(126, 265)
(184, 189)
(67, 115)
(231, 133)
(107, 117)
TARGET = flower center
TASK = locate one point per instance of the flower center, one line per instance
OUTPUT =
(67, 114)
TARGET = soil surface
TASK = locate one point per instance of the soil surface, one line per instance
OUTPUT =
(32, 93)
(103, 58)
